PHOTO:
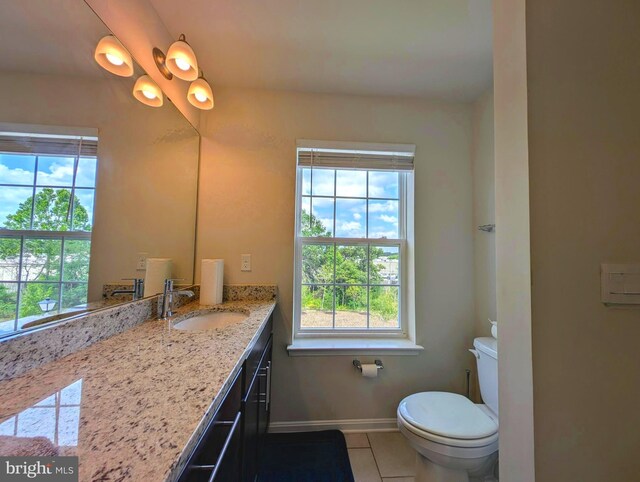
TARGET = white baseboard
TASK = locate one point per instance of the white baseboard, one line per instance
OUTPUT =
(352, 425)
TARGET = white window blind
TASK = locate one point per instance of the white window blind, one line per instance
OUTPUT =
(379, 157)
(49, 145)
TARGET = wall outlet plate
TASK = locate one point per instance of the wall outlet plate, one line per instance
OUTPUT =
(141, 263)
(245, 262)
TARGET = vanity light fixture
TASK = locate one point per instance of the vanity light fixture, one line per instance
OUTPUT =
(200, 94)
(147, 91)
(181, 60)
(113, 57)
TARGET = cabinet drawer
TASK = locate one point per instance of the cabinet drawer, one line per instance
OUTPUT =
(218, 450)
(253, 360)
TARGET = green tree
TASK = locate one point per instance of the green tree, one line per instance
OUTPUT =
(353, 267)
(7, 303)
(50, 213)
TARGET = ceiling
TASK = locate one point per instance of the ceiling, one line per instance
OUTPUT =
(438, 49)
(49, 37)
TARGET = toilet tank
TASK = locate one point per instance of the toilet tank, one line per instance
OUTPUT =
(487, 359)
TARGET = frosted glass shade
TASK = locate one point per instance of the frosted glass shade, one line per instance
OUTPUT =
(181, 60)
(113, 57)
(148, 92)
(200, 94)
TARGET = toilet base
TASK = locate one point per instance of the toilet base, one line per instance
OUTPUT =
(427, 471)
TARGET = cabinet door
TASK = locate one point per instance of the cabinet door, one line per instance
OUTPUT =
(250, 432)
(217, 454)
(228, 468)
(264, 405)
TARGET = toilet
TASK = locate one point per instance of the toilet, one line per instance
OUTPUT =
(455, 439)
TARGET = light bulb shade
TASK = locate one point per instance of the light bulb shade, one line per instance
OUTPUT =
(200, 94)
(181, 60)
(113, 57)
(147, 91)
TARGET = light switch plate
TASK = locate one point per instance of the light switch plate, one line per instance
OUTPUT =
(245, 262)
(620, 284)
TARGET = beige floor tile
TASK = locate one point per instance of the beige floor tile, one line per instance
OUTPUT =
(399, 479)
(363, 465)
(393, 454)
(356, 440)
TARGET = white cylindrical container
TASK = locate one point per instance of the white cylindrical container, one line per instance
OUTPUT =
(211, 281)
(158, 270)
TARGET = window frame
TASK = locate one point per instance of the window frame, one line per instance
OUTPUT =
(405, 328)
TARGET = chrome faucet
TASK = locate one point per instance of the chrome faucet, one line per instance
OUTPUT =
(137, 290)
(165, 302)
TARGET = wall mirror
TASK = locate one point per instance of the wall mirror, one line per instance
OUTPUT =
(92, 181)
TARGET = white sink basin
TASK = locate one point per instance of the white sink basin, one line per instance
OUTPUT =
(210, 321)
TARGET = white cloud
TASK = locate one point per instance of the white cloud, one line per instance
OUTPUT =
(357, 216)
(350, 229)
(388, 219)
(57, 174)
(383, 184)
(350, 226)
(15, 176)
(351, 183)
(383, 207)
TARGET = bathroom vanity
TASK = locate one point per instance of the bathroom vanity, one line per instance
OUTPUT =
(230, 446)
(153, 402)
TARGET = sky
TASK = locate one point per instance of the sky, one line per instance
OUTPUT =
(52, 171)
(351, 213)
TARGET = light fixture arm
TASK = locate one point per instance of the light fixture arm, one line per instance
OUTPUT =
(160, 59)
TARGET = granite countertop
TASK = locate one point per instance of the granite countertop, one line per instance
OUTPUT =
(130, 407)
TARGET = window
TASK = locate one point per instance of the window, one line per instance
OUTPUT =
(354, 219)
(47, 192)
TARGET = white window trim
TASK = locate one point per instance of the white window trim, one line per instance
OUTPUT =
(400, 341)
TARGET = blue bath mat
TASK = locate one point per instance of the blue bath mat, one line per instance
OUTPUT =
(305, 457)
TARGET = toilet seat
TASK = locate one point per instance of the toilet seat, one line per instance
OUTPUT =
(448, 419)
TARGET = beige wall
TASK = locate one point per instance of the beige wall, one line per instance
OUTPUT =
(147, 168)
(247, 192)
(513, 279)
(584, 155)
(484, 191)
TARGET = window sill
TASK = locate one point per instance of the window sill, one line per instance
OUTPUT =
(352, 346)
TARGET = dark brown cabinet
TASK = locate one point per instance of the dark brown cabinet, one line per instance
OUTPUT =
(230, 447)
(256, 414)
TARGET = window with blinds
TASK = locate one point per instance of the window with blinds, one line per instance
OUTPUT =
(47, 193)
(352, 213)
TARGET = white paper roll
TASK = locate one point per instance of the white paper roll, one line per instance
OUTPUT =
(369, 370)
(158, 270)
(211, 281)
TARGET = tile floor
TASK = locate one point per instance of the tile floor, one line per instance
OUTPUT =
(385, 457)
(381, 457)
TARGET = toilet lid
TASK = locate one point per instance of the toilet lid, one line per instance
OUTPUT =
(447, 414)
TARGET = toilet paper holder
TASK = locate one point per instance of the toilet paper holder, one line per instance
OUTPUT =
(358, 365)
